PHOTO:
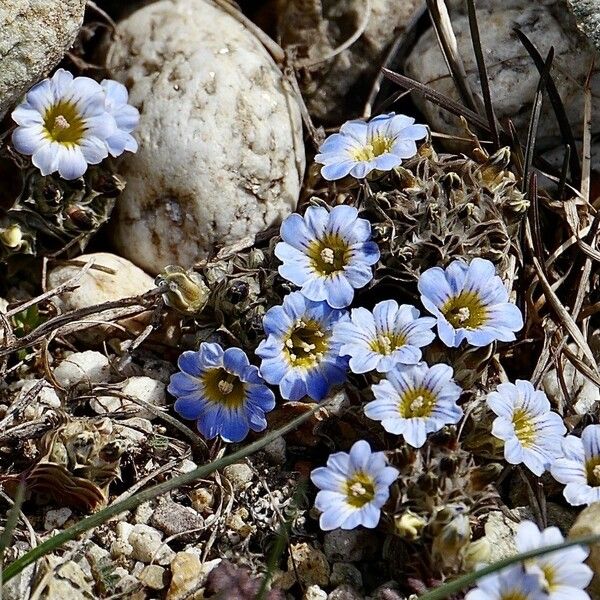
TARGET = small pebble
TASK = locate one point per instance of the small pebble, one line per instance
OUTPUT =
(153, 576)
(88, 367)
(56, 518)
(314, 592)
(346, 573)
(239, 475)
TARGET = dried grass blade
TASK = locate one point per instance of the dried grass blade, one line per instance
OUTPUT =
(437, 98)
(534, 120)
(564, 317)
(557, 104)
(449, 47)
(483, 75)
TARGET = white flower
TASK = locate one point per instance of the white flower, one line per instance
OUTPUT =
(381, 339)
(353, 487)
(532, 433)
(66, 123)
(126, 117)
(512, 583)
(561, 574)
(579, 467)
(415, 400)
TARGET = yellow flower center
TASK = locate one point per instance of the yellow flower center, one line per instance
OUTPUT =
(375, 147)
(329, 254)
(418, 402)
(223, 387)
(386, 343)
(305, 344)
(513, 595)
(64, 124)
(360, 489)
(524, 427)
(592, 469)
(465, 310)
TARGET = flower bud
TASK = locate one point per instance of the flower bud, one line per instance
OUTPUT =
(185, 291)
(409, 525)
(12, 236)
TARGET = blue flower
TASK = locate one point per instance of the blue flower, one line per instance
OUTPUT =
(327, 253)
(299, 353)
(531, 432)
(381, 339)
(222, 391)
(353, 487)
(360, 147)
(126, 117)
(470, 303)
(579, 467)
(414, 400)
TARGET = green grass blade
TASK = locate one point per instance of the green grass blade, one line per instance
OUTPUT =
(458, 585)
(134, 501)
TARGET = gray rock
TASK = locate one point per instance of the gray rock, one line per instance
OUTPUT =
(345, 592)
(346, 573)
(147, 545)
(348, 546)
(337, 88)
(56, 518)
(34, 36)
(174, 519)
(314, 592)
(587, 13)
(239, 475)
(512, 74)
(229, 161)
(19, 587)
(153, 576)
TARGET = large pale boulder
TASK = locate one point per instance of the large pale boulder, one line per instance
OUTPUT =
(512, 75)
(34, 36)
(221, 154)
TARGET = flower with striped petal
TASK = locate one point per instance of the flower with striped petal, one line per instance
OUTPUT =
(222, 392)
(470, 303)
(414, 400)
(64, 125)
(562, 574)
(360, 147)
(328, 254)
(579, 467)
(354, 487)
(511, 583)
(381, 339)
(299, 354)
(531, 432)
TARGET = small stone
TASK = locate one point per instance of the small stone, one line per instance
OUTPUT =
(228, 162)
(202, 500)
(239, 475)
(185, 569)
(314, 592)
(186, 466)
(275, 451)
(346, 573)
(97, 286)
(120, 547)
(309, 564)
(237, 522)
(345, 592)
(20, 585)
(82, 367)
(176, 520)
(587, 13)
(34, 37)
(56, 518)
(143, 512)
(348, 546)
(588, 523)
(147, 545)
(143, 388)
(126, 584)
(47, 395)
(153, 576)
(500, 533)
(388, 591)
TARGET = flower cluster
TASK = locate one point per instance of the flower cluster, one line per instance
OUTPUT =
(379, 145)
(552, 576)
(66, 123)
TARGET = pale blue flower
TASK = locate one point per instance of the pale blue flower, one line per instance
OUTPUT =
(470, 303)
(579, 467)
(359, 147)
(563, 574)
(511, 583)
(64, 125)
(327, 253)
(126, 117)
(222, 392)
(414, 400)
(381, 339)
(354, 487)
(531, 432)
(299, 354)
